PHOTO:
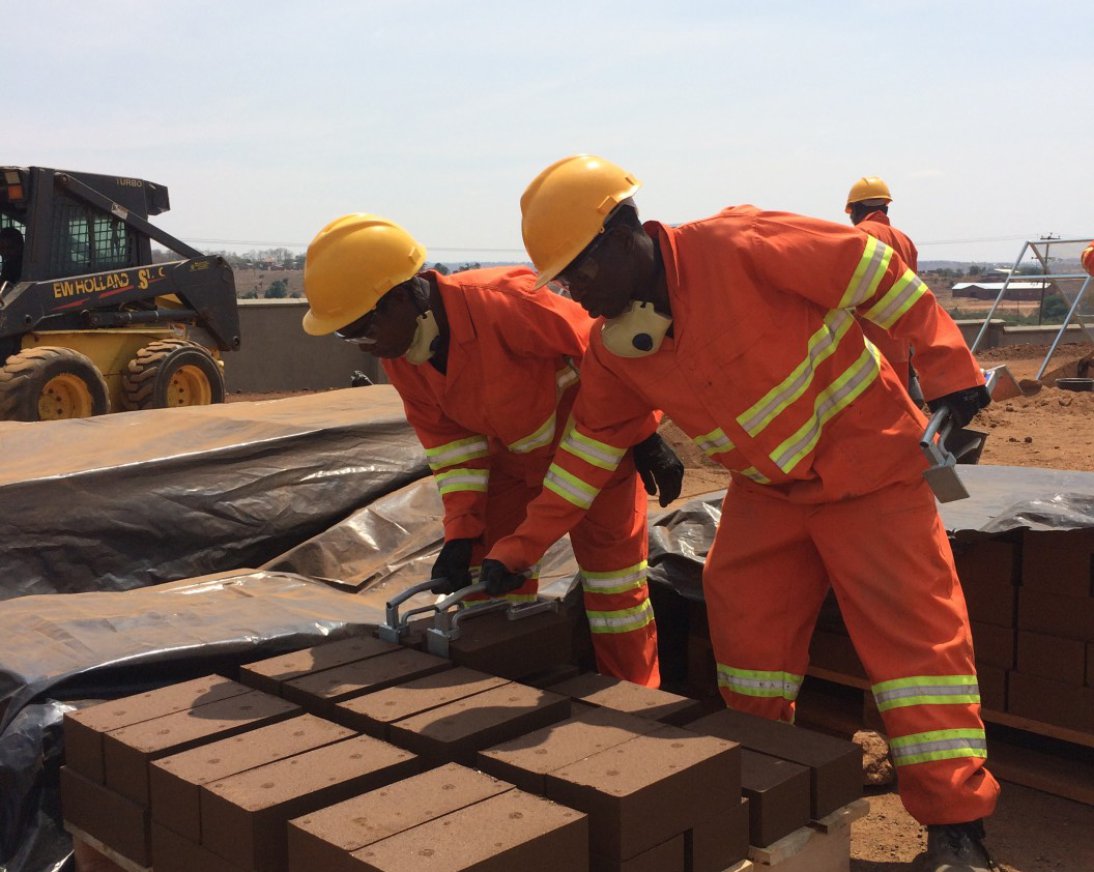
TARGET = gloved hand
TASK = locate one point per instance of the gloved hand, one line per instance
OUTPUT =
(963, 405)
(454, 565)
(660, 468)
(499, 578)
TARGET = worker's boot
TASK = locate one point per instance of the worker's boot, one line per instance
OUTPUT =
(958, 848)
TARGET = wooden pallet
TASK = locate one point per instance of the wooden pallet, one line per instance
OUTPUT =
(94, 856)
(822, 846)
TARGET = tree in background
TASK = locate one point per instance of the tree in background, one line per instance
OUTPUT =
(278, 290)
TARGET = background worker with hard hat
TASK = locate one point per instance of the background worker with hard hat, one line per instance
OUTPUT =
(487, 368)
(868, 205)
(742, 328)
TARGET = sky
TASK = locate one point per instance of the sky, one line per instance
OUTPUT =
(265, 120)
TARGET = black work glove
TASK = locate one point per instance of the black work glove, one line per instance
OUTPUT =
(963, 405)
(453, 566)
(499, 578)
(660, 468)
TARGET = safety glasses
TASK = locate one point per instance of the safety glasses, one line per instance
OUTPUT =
(585, 267)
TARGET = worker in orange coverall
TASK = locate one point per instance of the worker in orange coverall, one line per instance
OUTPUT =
(868, 205)
(742, 328)
(487, 368)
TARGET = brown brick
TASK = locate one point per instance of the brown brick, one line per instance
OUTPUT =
(994, 645)
(244, 817)
(173, 853)
(375, 712)
(324, 839)
(128, 751)
(1058, 561)
(1053, 614)
(119, 823)
(319, 692)
(175, 781)
(718, 843)
(1051, 702)
(512, 831)
(666, 857)
(988, 570)
(648, 790)
(269, 674)
(1052, 657)
(454, 732)
(634, 699)
(84, 729)
(992, 681)
(778, 796)
(835, 765)
(526, 760)
(513, 649)
(836, 653)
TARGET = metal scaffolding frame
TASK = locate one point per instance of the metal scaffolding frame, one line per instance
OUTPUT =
(1040, 249)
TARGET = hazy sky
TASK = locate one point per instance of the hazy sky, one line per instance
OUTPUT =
(267, 119)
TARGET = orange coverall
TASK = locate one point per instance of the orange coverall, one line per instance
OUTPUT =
(490, 425)
(769, 373)
(896, 351)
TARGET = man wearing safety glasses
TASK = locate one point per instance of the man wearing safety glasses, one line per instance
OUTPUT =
(743, 328)
(488, 368)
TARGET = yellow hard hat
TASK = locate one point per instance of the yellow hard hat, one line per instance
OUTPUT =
(565, 207)
(868, 188)
(350, 264)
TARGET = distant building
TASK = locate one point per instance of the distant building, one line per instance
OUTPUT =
(990, 290)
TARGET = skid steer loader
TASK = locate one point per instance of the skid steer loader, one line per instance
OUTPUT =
(88, 323)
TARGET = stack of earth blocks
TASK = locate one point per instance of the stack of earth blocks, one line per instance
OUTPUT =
(365, 755)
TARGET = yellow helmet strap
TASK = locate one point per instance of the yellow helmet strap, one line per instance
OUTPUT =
(423, 345)
(638, 332)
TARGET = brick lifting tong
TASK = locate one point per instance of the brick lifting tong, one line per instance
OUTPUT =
(449, 612)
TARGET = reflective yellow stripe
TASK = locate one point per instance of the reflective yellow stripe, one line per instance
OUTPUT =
(621, 621)
(542, 436)
(570, 487)
(460, 451)
(591, 451)
(617, 581)
(828, 403)
(904, 294)
(759, 682)
(938, 745)
(926, 690)
(462, 480)
(714, 442)
(822, 345)
(753, 473)
(871, 267)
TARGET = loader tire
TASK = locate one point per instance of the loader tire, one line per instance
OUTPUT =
(172, 372)
(50, 383)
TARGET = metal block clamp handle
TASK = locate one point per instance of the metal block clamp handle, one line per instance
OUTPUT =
(394, 628)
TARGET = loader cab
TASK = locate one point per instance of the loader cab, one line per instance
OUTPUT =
(91, 323)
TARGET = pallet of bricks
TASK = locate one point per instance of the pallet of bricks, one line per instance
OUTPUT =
(1030, 595)
(364, 755)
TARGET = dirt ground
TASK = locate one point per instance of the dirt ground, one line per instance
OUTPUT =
(1051, 428)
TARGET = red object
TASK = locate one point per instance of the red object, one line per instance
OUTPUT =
(770, 375)
(490, 425)
(1087, 258)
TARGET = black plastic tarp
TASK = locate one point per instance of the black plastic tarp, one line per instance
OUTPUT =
(133, 499)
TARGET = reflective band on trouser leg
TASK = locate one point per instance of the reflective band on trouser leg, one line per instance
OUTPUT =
(625, 639)
(760, 684)
(938, 745)
(926, 690)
